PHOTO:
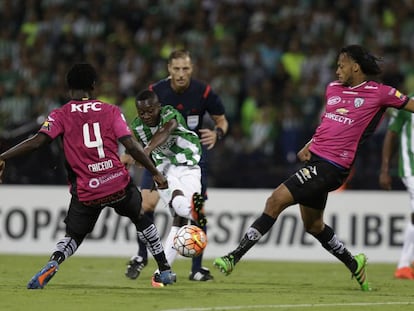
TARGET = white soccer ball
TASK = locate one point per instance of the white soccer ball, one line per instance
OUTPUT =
(190, 241)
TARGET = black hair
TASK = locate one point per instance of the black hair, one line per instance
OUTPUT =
(81, 77)
(363, 58)
(147, 95)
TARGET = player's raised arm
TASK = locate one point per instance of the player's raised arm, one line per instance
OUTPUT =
(410, 105)
(137, 152)
(22, 148)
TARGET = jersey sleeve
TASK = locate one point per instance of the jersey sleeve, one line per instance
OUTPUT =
(397, 120)
(393, 97)
(53, 125)
(168, 113)
(214, 104)
(121, 128)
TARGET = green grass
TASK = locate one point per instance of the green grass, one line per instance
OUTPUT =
(86, 283)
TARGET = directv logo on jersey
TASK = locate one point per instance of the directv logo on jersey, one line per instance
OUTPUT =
(358, 102)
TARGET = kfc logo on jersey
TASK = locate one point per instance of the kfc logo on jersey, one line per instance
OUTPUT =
(334, 100)
(85, 107)
(358, 102)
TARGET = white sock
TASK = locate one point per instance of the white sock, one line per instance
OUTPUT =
(182, 206)
(170, 252)
(408, 247)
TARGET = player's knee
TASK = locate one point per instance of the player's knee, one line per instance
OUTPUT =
(148, 206)
(273, 205)
(149, 200)
(313, 228)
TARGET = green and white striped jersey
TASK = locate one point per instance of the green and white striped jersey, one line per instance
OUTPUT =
(402, 122)
(182, 146)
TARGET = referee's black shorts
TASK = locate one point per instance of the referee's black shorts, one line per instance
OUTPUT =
(311, 184)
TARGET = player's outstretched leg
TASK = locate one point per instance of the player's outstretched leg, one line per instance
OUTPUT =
(406, 273)
(225, 264)
(197, 209)
(360, 273)
(253, 234)
(40, 279)
(163, 278)
(135, 266)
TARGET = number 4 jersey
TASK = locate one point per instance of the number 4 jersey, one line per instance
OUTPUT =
(90, 130)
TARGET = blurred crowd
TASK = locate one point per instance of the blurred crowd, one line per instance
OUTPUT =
(269, 61)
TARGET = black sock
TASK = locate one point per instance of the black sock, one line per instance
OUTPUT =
(259, 228)
(148, 233)
(331, 243)
(142, 248)
(57, 256)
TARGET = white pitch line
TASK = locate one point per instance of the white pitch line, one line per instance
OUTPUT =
(306, 305)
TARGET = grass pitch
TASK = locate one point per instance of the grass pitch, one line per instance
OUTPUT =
(86, 283)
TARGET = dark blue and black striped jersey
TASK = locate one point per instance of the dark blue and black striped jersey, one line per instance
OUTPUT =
(197, 100)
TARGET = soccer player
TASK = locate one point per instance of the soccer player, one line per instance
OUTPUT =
(193, 99)
(176, 151)
(400, 134)
(354, 107)
(90, 131)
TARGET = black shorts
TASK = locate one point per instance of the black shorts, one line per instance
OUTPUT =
(311, 184)
(82, 216)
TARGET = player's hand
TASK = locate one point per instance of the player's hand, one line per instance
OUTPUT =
(160, 181)
(385, 181)
(304, 154)
(208, 138)
(2, 167)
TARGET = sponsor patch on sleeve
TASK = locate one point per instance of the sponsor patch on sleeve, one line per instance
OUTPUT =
(46, 125)
(398, 94)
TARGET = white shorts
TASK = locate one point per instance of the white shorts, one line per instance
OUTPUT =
(185, 178)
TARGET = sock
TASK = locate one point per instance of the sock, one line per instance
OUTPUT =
(259, 228)
(406, 256)
(170, 252)
(197, 261)
(142, 248)
(64, 248)
(57, 256)
(182, 206)
(330, 242)
(148, 233)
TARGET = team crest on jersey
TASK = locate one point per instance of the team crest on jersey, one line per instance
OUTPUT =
(358, 102)
(192, 122)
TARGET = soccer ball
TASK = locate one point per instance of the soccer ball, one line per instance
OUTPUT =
(190, 241)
